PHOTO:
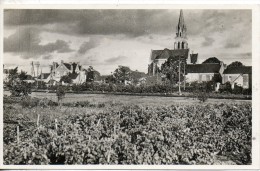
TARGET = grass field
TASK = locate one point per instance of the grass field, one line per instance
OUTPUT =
(131, 100)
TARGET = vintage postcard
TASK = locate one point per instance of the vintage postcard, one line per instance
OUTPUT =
(130, 87)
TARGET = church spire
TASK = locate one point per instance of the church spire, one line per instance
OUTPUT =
(181, 39)
(181, 23)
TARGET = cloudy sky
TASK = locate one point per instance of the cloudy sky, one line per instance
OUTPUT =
(105, 39)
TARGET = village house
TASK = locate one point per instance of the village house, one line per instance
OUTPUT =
(78, 74)
(241, 76)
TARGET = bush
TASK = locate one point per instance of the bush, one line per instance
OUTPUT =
(202, 96)
(20, 89)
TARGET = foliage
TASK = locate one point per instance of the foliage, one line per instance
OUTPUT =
(171, 69)
(122, 74)
(212, 60)
(235, 64)
(16, 84)
(67, 78)
(23, 75)
(226, 88)
(60, 93)
(20, 88)
(178, 134)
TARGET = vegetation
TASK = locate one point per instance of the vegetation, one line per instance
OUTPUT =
(212, 60)
(235, 64)
(16, 83)
(177, 134)
(171, 69)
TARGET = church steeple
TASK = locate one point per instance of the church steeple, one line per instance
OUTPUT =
(181, 39)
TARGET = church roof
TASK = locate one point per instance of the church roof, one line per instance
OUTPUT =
(166, 53)
(238, 70)
(203, 68)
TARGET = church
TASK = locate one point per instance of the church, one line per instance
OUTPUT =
(194, 71)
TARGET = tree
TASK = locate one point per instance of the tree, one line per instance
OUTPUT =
(122, 74)
(23, 75)
(16, 84)
(171, 69)
(235, 64)
(212, 60)
(66, 78)
(60, 92)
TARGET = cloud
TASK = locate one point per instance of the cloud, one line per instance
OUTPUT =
(26, 42)
(86, 46)
(103, 22)
(116, 59)
(208, 41)
(47, 57)
(232, 45)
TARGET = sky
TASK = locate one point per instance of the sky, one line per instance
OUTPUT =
(107, 38)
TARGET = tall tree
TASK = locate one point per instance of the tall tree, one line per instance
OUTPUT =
(235, 64)
(171, 69)
(122, 74)
(212, 60)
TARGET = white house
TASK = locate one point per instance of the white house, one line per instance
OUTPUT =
(75, 69)
(203, 72)
(242, 76)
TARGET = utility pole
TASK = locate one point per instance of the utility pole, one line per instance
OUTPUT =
(179, 75)
(184, 77)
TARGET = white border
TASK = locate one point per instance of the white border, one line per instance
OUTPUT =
(117, 5)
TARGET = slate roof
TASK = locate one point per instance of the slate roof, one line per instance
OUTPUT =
(166, 53)
(74, 65)
(202, 68)
(45, 76)
(238, 70)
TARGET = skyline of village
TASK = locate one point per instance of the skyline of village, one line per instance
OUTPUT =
(105, 39)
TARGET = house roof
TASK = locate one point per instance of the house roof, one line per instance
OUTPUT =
(166, 53)
(238, 70)
(45, 76)
(74, 65)
(203, 68)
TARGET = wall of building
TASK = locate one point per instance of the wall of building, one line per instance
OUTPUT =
(239, 79)
(191, 77)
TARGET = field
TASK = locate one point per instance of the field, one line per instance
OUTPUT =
(113, 129)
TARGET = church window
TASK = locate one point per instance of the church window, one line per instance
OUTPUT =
(178, 45)
(180, 34)
(182, 45)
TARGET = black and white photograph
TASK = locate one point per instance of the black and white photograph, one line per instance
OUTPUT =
(127, 87)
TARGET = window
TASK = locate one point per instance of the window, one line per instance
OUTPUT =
(178, 45)
(183, 45)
